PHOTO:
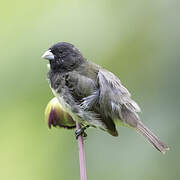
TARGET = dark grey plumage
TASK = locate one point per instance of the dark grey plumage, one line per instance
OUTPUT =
(92, 95)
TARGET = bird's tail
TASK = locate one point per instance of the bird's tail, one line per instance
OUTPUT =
(132, 119)
(153, 139)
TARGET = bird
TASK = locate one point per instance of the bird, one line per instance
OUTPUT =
(92, 95)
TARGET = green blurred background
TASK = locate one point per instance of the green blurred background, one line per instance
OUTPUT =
(137, 40)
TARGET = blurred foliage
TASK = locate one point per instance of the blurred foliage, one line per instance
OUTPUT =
(138, 40)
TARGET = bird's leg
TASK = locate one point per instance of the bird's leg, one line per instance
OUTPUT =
(80, 131)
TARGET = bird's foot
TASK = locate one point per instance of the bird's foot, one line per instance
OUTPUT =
(80, 132)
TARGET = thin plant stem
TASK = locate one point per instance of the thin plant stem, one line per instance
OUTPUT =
(81, 155)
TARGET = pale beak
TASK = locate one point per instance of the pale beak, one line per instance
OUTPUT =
(48, 55)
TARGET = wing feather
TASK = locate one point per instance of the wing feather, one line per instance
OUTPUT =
(113, 95)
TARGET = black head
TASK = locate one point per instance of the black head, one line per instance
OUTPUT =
(63, 57)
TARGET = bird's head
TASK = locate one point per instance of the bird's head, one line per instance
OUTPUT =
(63, 57)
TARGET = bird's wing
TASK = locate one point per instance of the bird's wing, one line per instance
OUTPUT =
(79, 85)
(78, 88)
(85, 92)
(113, 96)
